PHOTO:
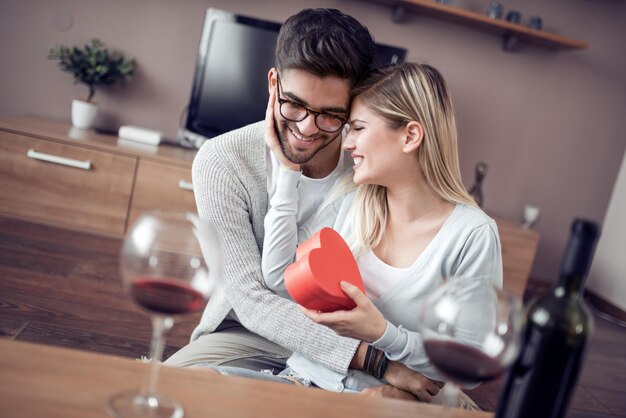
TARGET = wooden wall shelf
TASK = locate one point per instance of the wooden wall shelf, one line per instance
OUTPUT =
(511, 32)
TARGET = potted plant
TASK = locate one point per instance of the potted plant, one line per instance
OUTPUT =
(94, 66)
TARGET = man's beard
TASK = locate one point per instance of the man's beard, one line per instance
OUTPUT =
(323, 139)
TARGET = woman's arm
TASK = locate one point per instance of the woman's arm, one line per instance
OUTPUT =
(281, 230)
(282, 235)
(479, 263)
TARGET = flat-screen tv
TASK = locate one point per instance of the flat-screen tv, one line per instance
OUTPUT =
(230, 80)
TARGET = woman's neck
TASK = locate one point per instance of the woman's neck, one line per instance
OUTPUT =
(416, 214)
(412, 201)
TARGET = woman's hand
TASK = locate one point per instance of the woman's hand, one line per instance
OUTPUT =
(271, 138)
(364, 322)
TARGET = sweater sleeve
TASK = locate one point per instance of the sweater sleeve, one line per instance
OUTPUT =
(479, 266)
(222, 198)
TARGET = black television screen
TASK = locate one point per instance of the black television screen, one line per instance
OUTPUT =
(230, 81)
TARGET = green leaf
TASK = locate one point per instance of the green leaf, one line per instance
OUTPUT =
(93, 65)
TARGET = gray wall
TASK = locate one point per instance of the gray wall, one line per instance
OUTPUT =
(547, 122)
(606, 277)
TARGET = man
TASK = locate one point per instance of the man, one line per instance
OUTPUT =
(321, 55)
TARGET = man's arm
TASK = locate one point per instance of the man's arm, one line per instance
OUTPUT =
(399, 376)
(224, 200)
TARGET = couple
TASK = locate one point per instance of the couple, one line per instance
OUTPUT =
(409, 219)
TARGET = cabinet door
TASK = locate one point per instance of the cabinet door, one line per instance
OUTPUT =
(160, 186)
(519, 247)
(64, 184)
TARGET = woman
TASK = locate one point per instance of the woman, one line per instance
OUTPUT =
(405, 214)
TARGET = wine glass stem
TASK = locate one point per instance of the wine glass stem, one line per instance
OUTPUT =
(450, 399)
(160, 325)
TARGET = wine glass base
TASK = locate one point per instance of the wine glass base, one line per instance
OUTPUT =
(135, 405)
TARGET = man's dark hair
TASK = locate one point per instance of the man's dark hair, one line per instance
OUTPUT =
(325, 42)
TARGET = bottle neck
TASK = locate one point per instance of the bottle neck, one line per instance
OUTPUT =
(570, 286)
(577, 259)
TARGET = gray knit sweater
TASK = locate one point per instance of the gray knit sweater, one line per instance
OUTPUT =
(230, 184)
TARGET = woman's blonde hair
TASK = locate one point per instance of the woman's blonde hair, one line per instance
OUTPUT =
(401, 94)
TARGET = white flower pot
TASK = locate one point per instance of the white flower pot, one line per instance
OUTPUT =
(83, 114)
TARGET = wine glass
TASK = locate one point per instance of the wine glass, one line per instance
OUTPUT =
(170, 264)
(471, 332)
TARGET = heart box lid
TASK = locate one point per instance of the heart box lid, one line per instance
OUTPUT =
(322, 262)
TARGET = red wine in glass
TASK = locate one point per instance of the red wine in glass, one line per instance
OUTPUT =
(170, 265)
(166, 296)
(462, 363)
(471, 332)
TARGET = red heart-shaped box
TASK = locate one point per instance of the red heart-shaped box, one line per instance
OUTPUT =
(322, 262)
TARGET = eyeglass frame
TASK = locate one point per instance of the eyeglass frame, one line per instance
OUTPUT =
(279, 88)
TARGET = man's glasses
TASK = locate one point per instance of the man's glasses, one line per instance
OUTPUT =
(295, 112)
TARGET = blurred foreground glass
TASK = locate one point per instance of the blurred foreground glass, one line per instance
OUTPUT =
(171, 264)
(471, 332)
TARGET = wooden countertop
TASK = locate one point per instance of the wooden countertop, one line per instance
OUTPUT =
(63, 132)
(44, 381)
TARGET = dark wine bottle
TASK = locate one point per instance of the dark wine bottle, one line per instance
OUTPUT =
(558, 327)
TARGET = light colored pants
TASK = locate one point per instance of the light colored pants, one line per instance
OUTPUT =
(286, 376)
(232, 345)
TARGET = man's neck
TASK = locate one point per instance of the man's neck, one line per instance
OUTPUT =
(324, 162)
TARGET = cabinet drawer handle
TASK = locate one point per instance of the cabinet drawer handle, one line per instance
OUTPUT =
(85, 165)
(185, 185)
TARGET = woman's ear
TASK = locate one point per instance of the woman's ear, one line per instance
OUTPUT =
(413, 136)
(271, 80)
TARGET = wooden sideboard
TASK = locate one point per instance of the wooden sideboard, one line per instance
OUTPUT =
(53, 173)
(519, 247)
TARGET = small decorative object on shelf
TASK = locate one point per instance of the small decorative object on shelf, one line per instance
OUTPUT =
(510, 31)
(476, 191)
(93, 66)
(513, 16)
(510, 40)
(495, 10)
(535, 22)
(530, 216)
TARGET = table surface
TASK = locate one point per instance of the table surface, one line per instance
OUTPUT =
(38, 381)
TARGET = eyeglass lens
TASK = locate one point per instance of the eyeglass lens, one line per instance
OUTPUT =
(295, 112)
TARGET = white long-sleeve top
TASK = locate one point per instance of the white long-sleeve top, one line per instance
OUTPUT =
(467, 247)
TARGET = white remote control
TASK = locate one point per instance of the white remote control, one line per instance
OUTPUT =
(135, 133)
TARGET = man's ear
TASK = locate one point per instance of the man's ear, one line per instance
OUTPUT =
(271, 79)
(413, 136)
